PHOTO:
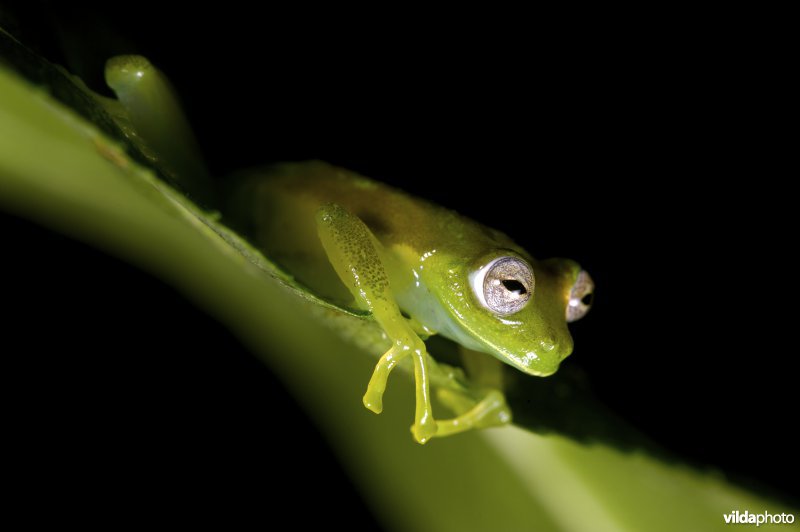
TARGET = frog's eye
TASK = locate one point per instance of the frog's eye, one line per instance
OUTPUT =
(580, 297)
(505, 285)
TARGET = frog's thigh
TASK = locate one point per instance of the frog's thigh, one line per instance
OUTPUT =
(351, 249)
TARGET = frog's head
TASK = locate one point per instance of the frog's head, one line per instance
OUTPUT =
(518, 309)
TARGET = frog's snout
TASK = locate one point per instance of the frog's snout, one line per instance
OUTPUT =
(554, 346)
(564, 350)
(551, 350)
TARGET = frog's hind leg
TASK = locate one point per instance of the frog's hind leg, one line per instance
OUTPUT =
(353, 252)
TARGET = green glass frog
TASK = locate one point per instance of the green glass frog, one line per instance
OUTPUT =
(419, 269)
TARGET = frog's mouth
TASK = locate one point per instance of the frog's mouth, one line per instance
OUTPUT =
(542, 362)
(527, 364)
(539, 373)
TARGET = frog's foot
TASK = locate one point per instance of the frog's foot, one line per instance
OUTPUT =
(491, 411)
(424, 427)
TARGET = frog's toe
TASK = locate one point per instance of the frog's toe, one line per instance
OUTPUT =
(373, 400)
(424, 430)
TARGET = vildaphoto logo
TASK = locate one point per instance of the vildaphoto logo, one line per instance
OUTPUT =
(746, 518)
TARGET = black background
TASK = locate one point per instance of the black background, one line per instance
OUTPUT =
(644, 163)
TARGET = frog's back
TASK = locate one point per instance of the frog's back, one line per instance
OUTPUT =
(390, 214)
(284, 200)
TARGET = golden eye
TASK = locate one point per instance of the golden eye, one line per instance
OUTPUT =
(580, 297)
(505, 285)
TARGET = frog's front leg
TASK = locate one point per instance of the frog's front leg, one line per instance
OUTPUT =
(480, 404)
(353, 252)
(491, 411)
